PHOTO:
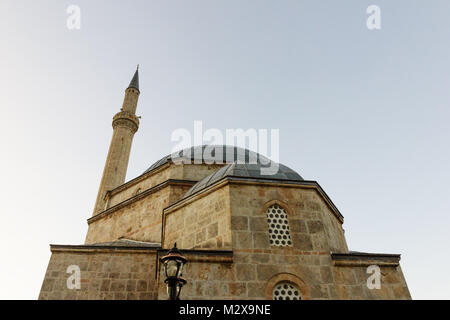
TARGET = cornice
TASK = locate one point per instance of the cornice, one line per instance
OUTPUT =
(102, 249)
(193, 255)
(362, 259)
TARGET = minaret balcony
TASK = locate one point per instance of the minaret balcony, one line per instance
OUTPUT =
(127, 120)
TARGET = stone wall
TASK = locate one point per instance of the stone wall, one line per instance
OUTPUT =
(313, 226)
(253, 275)
(203, 223)
(122, 273)
(134, 210)
(351, 275)
(210, 276)
(139, 220)
(258, 271)
(315, 232)
(133, 187)
(257, 266)
(105, 274)
(224, 233)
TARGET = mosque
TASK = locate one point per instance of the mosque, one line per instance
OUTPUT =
(245, 235)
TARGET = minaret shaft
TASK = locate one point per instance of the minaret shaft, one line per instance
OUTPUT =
(125, 124)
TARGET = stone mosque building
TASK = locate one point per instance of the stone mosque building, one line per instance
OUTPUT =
(245, 235)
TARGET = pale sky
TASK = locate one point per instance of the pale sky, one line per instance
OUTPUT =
(364, 113)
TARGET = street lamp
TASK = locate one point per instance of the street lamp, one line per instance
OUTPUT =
(173, 264)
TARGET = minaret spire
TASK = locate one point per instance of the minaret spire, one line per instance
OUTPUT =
(135, 81)
(125, 124)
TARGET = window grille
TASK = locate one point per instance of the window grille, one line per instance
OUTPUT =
(286, 291)
(278, 226)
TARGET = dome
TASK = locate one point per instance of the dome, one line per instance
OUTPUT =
(211, 154)
(252, 171)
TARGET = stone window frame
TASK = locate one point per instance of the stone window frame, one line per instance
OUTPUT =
(290, 278)
(288, 211)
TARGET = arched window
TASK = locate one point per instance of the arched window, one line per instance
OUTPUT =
(286, 291)
(277, 219)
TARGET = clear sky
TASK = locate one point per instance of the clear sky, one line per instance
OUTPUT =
(364, 113)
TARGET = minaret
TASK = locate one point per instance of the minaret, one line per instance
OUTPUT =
(125, 124)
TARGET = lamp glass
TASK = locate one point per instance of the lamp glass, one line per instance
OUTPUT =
(180, 271)
(172, 268)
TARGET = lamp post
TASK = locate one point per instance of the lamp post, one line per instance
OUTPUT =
(173, 264)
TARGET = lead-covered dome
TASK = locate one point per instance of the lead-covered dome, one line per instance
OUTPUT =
(245, 170)
(210, 154)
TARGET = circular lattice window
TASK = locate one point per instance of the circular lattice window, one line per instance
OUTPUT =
(278, 226)
(286, 291)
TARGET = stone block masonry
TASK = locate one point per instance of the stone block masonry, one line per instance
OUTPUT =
(106, 274)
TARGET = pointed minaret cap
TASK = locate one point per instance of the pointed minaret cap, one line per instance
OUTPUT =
(135, 81)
